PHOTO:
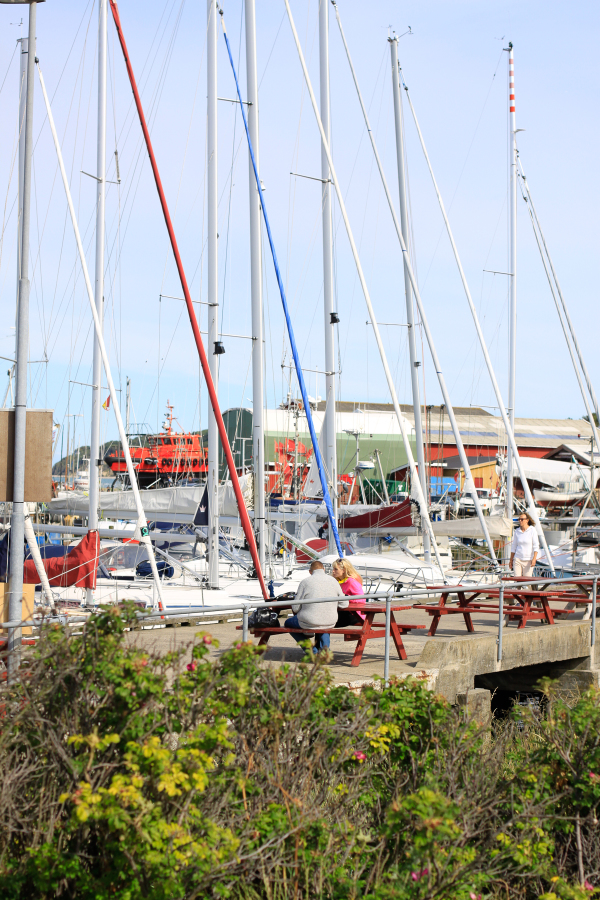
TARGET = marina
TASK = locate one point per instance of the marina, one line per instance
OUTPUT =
(233, 508)
(299, 451)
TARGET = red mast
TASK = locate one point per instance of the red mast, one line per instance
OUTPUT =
(244, 517)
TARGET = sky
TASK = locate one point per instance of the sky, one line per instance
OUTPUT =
(456, 68)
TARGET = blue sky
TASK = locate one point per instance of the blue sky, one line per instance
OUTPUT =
(457, 72)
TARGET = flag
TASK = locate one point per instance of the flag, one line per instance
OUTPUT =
(201, 517)
(106, 403)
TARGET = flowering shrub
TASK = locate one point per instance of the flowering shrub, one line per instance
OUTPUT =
(128, 775)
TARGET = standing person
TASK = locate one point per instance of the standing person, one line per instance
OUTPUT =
(316, 615)
(525, 547)
(352, 585)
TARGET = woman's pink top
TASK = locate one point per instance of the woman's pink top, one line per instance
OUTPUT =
(351, 587)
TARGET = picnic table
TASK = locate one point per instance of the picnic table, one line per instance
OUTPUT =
(518, 605)
(579, 595)
(367, 630)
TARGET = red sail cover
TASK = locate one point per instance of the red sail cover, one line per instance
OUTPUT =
(397, 515)
(77, 567)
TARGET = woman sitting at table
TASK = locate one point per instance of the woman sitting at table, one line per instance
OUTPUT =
(351, 584)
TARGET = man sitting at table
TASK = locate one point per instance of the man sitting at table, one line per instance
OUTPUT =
(316, 615)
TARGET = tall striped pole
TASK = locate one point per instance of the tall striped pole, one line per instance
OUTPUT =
(512, 268)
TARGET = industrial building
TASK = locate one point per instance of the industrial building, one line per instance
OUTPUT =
(372, 426)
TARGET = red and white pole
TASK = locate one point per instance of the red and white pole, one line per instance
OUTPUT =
(245, 519)
(512, 327)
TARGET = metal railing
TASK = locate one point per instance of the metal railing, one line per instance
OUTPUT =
(245, 606)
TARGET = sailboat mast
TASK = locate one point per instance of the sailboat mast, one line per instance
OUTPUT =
(22, 111)
(213, 296)
(95, 462)
(22, 99)
(258, 425)
(512, 268)
(410, 316)
(17, 520)
(329, 425)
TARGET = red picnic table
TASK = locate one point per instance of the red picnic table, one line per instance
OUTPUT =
(368, 630)
(522, 610)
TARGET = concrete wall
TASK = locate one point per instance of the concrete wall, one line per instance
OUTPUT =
(455, 665)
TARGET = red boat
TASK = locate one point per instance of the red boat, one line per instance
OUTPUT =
(162, 459)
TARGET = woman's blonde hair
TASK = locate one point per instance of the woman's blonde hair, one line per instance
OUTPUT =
(348, 569)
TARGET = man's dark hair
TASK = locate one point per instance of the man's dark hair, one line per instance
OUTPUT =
(316, 565)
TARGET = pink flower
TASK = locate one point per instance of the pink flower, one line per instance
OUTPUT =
(474, 896)
(593, 776)
(416, 876)
(238, 646)
(359, 755)
(207, 639)
(588, 886)
(191, 667)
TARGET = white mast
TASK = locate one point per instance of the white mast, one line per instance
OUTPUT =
(388, 374)
(420, 497)
(142, 524)
(535, 220)
(22, 99)
(512, 268)
(17, 519)
(258, 430)
(329, 425)
(503, 412)
(213, 296)
(410, 317)
(22, 105)
(95, 462)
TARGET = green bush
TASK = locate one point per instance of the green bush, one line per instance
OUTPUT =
(128, 775)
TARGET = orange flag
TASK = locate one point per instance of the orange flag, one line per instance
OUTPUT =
(106, 403)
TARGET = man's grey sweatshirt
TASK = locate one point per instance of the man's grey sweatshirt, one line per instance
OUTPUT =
(318, 615)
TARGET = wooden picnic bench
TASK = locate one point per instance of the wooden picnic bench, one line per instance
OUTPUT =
(368, 630)
(518, 605)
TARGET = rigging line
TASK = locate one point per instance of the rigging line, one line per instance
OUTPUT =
(123, 137)
(79, 69)
(295, 152)
(271, 51)
(304, 271)
(13, 56)
(346, 195)
(569, 342)
(160, 368)
(12, 168)
(560, 294)
(45, 119)
(34, 279)
(152, 115)
(466, 158)
(187, 141)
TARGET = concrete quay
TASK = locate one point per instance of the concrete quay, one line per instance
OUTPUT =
(462, 667)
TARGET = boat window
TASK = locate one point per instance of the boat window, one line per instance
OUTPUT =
(127, 556)
(189, 440)
(166, 441)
